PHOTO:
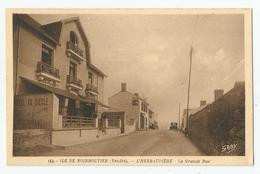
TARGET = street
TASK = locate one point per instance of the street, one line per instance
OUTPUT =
(141, 143)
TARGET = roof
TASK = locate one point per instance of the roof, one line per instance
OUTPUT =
(113, 110)
(94, 68)
(53, 29)
(60, 91)
(194, 110)
(238, 84)
(34, 25)
(130, 94)
(102, 104)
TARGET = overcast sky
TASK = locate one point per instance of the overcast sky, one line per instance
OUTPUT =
(151, 54)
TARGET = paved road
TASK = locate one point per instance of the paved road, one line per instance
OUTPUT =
(141, 143)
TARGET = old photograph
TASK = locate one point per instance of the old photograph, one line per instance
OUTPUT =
(144, 83)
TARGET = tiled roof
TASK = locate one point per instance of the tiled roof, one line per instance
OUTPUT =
(53, 29)
(93, 67)
(29, 21)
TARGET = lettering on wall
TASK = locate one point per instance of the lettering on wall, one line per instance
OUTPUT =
(32, 110)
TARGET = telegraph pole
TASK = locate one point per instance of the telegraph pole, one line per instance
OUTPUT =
(188, 98)
(179, 116)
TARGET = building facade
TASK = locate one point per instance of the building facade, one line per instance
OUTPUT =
(56, 86)
(135, 107)
(219, 128)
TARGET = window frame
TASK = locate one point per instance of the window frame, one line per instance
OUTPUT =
(74, 34)
(73, 66)
(51, 50)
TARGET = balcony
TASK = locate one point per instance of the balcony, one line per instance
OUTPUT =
(74, 51)
(74, 83)
(91, 89)
(45, 72)
(91, 97)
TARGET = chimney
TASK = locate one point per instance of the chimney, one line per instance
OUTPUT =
(123, 87)
(218, 93)
(203, 102)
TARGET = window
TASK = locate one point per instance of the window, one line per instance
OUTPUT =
(73, 38)
(72, 107)
(90, 78)
(61, 105)
(47, 54)
(73, 70)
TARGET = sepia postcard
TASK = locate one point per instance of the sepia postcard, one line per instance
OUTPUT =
(129, 87)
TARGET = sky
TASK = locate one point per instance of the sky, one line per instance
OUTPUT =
(151, 54)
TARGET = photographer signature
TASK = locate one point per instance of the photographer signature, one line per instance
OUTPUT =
(228, 148)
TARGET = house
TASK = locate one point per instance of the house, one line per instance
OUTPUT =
(135, 107)
(153, 124)
(186, 116)
(56, 85)
(221, 123)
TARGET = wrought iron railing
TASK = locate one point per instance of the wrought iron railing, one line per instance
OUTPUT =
(91, 97)
(91, 87)
(74, 48)
(45, 68)
(74, 80)
(78, 122)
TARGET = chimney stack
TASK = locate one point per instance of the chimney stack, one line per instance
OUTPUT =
(218, 93)
(123, 87)
(203, 102)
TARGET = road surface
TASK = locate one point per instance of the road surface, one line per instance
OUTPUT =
(140, 143)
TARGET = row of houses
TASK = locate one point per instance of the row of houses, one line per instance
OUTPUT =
(218, 128)
(138, 112)
(58, 90)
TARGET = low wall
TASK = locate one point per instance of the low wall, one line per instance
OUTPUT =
(219, 129)
(80, 136)
(130, 128)
(26, 140)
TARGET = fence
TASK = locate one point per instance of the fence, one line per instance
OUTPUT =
(78, 122)
(113, 122)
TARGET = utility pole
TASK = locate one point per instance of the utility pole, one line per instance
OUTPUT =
(188, 98)
(179, 116)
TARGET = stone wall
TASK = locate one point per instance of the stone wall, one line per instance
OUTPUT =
(219, 129)
(26, 141)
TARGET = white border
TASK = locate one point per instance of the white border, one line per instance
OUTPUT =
(134, 4)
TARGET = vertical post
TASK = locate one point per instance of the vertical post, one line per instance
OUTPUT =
(106, 121)
(179, 116)
(188, 98)
(79, 122)
(65, 107)
(119, 123)
(97, 122)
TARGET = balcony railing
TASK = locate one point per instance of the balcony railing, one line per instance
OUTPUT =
(74, 80)
(45, 68)
(90, 87)
(78, 122)
(74, 48)
(91, 97)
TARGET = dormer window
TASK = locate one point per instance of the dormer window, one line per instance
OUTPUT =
(73, 50)
(73, 38)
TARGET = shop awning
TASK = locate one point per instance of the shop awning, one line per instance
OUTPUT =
(60, 91)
